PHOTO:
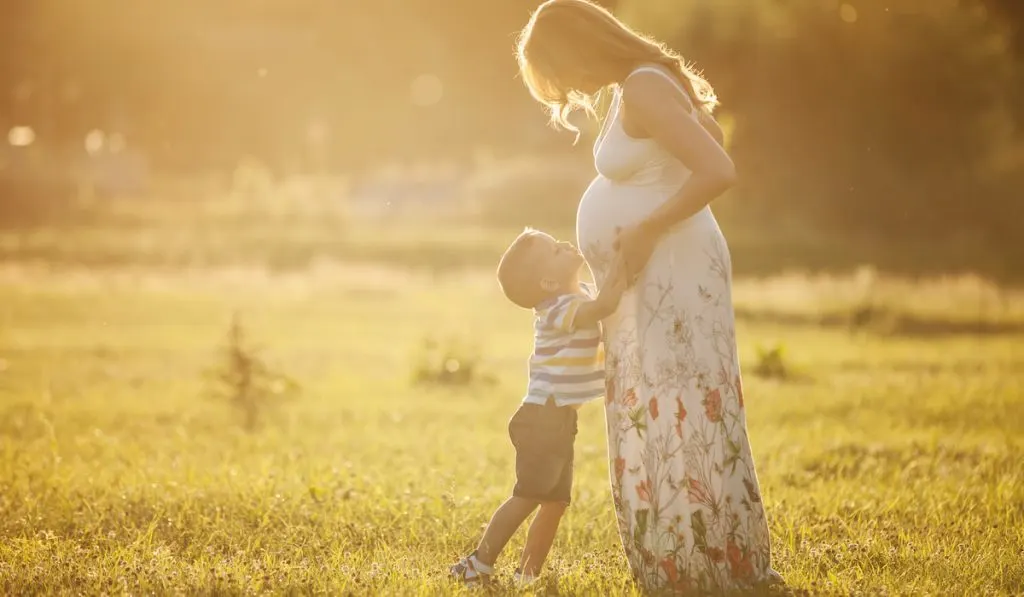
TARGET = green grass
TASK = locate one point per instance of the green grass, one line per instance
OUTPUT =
(891, 464)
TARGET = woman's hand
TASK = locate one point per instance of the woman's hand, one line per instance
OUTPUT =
(635, 244)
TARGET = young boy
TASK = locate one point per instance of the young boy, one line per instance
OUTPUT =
(566, 370)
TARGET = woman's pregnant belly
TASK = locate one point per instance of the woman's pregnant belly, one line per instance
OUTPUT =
(607, 205)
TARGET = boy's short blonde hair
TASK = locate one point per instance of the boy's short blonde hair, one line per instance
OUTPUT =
(518, 276)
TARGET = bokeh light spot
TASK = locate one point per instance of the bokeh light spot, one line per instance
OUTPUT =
(21, 136)
(848, 13)
(94, 141)
(426, 90)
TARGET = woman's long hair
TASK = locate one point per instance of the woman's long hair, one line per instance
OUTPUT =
(572, 49)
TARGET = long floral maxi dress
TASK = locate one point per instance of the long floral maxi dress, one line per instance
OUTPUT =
(685, 492)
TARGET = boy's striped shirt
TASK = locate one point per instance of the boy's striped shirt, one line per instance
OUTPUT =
(567, 363)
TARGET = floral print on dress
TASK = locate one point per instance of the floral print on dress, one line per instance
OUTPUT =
(686, 495)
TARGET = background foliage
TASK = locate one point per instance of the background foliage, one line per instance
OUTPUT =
(896, 125)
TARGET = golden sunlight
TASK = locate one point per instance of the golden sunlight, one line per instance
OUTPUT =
(270, 324)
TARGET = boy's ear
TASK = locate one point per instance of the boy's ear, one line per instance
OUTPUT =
(548, 285)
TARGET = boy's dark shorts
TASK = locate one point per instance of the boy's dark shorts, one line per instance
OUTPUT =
(543, 437)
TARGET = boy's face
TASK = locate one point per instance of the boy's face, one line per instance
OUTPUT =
(559, 262)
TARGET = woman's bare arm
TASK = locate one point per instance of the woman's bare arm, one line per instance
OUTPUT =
(656, 105)
(712, 127)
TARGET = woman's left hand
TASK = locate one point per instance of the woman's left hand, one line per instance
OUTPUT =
(635, 244)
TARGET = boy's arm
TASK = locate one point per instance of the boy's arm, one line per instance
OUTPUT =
(593, 311)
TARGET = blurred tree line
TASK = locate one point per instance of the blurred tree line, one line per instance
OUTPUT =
(892, 118)
(889, 118)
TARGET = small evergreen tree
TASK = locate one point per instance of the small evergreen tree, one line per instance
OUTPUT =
(245, 381)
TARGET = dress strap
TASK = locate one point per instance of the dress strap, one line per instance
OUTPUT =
(609, 118)
(661, 70)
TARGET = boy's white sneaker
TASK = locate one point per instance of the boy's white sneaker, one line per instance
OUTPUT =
(471, 571)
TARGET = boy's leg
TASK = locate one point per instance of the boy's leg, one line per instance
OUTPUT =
(526, 431)
(545, 525)
(540, 538)
(479, 565)
(505, 522)
(542, 436)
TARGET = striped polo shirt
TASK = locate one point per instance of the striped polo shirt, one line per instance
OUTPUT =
(567, 363)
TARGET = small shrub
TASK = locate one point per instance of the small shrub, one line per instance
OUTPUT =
(453, 363)
(244, 380)
(872, 316)
(771, 362)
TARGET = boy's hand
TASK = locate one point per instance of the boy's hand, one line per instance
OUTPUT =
(607, 301)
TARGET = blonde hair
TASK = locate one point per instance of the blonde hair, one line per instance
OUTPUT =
(518, 277)
(572, 49)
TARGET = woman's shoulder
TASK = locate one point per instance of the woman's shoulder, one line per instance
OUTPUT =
(654, 71)
(654, 82)
(656, 67)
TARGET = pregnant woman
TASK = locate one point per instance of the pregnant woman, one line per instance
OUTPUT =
(686, 495)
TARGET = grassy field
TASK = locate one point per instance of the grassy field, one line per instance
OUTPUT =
(891, 457)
